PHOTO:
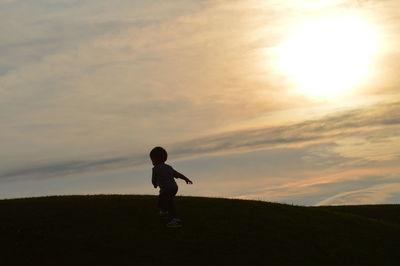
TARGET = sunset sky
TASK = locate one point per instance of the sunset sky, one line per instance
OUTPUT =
(284, 101)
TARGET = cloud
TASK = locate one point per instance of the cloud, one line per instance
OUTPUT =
(306, 185)
(87, 87)
(88, 76)
(327, 129)
(373, 195)
(72, 167)
(377, 148)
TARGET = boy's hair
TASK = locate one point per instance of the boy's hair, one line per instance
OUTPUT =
(158, 155)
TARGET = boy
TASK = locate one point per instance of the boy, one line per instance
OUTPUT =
(163, 177)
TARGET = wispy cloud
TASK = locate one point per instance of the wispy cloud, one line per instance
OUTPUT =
(88, 76)
(90, 86)
(328, 129)
(372, 195)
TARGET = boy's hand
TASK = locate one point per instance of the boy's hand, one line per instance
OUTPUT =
(188, 181)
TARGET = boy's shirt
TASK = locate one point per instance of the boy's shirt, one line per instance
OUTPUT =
(163, 176)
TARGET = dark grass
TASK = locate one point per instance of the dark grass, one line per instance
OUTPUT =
(386, 213)
(126, 230)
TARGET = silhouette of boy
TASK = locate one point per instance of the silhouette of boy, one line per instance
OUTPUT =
(163, 177)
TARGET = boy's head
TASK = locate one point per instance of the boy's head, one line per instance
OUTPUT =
(158, 155)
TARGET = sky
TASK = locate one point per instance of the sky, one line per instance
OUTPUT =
(286, 101)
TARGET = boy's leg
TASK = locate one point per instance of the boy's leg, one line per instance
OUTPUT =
(162, 200)
(170, 202)
(171, 208)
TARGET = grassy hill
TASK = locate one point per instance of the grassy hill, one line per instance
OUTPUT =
(126, 230)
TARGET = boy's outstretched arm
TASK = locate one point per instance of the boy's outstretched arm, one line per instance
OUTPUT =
(179, 175)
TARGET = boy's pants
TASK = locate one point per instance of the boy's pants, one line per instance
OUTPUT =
(166, 200)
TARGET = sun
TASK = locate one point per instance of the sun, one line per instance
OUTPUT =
(325, 58)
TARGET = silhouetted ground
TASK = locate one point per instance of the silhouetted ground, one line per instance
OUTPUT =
(126, 230)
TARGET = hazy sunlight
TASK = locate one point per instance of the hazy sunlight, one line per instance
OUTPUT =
(328, 56)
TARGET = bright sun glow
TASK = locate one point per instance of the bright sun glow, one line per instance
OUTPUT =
(327, 57)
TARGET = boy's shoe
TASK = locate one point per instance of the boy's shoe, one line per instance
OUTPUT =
(175, 223)
(163, 213)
